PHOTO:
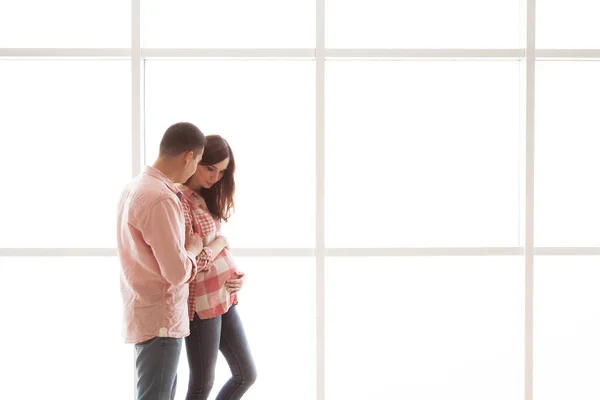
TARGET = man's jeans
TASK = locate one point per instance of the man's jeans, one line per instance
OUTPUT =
(156, 363)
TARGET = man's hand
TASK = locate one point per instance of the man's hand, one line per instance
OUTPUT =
(234, 285)
(193, 243)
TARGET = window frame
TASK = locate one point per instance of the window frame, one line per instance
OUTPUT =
(528, 54)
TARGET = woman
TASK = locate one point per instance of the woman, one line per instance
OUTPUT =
(214, 321)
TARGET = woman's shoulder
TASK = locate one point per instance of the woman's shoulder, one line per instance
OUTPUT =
(193, 195)
(187, 192)
(183, 189)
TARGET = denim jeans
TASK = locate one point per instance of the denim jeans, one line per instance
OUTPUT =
(207, 337)
(156, 363)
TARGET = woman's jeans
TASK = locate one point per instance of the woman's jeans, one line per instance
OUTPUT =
(207, 337)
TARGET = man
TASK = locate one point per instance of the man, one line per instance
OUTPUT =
(158, 260)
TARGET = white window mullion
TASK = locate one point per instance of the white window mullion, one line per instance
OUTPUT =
(328, 252)
(306, 53)
(530, 57)
(66, 53)
(137, 112)
(320, 197)
(137, 84)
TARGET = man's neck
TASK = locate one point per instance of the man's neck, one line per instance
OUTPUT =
(168, 170)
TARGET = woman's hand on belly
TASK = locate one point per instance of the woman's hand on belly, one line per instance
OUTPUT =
(235, 285)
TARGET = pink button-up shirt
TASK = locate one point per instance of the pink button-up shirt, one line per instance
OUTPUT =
(155, 266)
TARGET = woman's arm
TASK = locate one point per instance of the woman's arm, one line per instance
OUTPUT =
(209, 253)
(217, 246)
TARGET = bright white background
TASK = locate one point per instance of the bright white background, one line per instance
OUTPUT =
(382, 214)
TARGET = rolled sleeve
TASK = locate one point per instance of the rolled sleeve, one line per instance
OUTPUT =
(204, 259)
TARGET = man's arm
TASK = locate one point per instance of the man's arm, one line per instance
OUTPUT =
(163, 232)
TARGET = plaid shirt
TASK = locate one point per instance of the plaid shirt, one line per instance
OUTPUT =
(208, 296)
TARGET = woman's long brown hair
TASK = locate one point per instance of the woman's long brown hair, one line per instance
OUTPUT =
(219, 198)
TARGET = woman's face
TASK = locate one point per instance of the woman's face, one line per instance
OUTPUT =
(208, 175)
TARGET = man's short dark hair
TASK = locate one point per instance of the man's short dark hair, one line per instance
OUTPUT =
(180, 138)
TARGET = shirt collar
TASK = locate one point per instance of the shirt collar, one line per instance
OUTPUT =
(155, 173)
(187, 191)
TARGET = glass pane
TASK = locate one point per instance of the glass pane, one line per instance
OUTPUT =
(229, 23)
(62, 317)
(65, 23)
(566, 328)
(424, 153)
(66, 137)
(567, 170)
(277, 307)
(423, 24)
(569, 24)
(424, 328)
(265, 109)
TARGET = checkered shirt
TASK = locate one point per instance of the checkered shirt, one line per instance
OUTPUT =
(208, 296)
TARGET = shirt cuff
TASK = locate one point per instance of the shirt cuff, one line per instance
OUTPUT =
(204, 259)
(193, 258)
(190, 255)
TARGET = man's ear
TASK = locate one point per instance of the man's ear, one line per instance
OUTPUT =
(189, 157)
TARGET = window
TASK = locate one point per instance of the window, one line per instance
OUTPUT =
(422, 153)
(422, 24)
(230, 23)
(65, 139)
(567, 24)
(424, 328)
(567, 163)
(567, 325)
(64, 317)
(276, 306)
(65, 23)
(389, 207)
(265, 109)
